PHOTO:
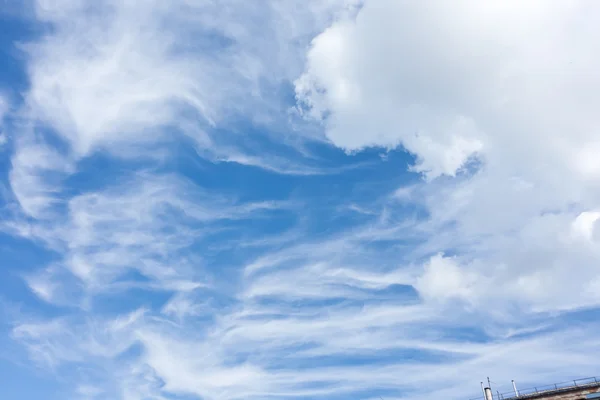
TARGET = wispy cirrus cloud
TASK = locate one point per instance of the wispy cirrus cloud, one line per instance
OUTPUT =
(125, 78)
(144, 225)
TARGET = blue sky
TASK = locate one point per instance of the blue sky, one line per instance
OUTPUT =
(317, 199)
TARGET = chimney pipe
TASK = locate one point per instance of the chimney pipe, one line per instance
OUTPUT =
(488, 394)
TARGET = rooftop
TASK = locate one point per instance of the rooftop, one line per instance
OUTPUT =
(549, 390)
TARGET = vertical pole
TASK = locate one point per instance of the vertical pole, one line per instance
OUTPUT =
(515, 388)
(483, 390)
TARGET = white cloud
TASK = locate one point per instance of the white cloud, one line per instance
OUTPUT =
(451, 81)
(4, 107)
(148, 66)
(183, 305)
(144, 225)
(36, 177)
(126, 77)
(443, 280)
(130, 79)
(88, 391)
(250, 354)
(584, 225)
(278, 324)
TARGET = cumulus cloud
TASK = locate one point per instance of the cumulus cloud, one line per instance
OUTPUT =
(450, 82)
(443, 279)
(584, 225)
(452, 85)
(511, 251)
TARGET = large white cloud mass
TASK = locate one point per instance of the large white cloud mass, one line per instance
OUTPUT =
(510, 88)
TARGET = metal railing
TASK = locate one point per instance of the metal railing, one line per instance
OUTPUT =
(533, 391)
